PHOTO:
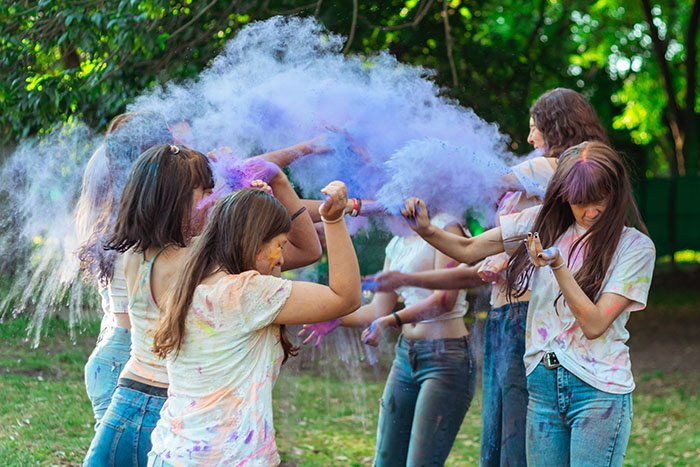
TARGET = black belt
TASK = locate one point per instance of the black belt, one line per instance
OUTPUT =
(142, 387)
(551, 361)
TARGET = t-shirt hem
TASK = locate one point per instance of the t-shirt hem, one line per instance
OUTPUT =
(571, 366)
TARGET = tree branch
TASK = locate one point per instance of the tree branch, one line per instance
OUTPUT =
(196, 17)
(448, 43)
(351, 36)
(419, 17)
(674, 115)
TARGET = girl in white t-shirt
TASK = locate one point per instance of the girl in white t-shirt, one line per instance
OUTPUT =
(221, 331)
(595, 271)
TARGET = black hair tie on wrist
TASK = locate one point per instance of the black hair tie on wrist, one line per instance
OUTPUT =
(296, 214)
(398, 320)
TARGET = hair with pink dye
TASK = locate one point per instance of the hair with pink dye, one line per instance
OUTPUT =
(587, 173)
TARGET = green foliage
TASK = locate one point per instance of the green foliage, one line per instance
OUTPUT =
(89, 59)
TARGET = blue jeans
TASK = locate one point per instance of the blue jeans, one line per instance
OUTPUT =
(427, 394)
(570, 422)
(504, 387)
(104, 366)
(124, 435)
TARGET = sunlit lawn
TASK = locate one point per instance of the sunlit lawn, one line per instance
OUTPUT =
(325, 407)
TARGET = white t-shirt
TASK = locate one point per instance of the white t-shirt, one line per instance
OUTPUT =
(114, 297)
(534, 176)
(219, 407)
(413, 254)
(604, 362)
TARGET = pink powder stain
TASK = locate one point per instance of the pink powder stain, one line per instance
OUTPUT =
(249, 437)
(543, 333)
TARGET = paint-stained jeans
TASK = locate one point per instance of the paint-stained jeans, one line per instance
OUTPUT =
(427, 394)
(104, 366)
(504, 387)
(123, 438)
(571, 423)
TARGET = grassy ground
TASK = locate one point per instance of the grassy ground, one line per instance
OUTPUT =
(326, 403)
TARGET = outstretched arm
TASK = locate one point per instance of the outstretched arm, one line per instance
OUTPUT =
(302, 247)
(453, 276)
(313, 303)
(439, 302)
(283, 157)
(462, 249)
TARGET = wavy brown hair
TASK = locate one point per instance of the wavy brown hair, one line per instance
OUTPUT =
(587, 173)
(128, 135)
(565, 118)
(239, 225)
(156, 204)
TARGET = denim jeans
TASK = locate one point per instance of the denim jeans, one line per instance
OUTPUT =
(570, 422)
(124, 435)
(104, 366)
(427, 394)
(504, 387)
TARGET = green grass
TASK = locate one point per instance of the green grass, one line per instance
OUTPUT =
(324, 416)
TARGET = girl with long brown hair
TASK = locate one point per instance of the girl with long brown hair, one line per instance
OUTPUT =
(221, 333)
(128, 135)
(559, 118)
(596, 269)
(160, 212)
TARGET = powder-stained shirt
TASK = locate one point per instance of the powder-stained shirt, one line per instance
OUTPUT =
(219, 407)
(603, 362)
(413, 254)
(534, 176)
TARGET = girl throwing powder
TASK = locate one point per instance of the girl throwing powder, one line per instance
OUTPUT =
(222, 332)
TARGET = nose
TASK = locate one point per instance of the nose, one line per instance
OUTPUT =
(530, 140)
(590, 213)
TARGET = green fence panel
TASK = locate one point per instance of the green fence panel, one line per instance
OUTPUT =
(654, 196)
(688, 213)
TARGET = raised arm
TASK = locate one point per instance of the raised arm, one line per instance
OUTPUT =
(283, 157)
(313, 303)
(363, 207)
(302, 247)
(459, 248)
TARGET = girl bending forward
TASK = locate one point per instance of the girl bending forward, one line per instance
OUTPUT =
(594, 272)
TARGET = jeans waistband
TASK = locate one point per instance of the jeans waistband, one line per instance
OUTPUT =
(142, 387)
(517, 307)
(434, 344)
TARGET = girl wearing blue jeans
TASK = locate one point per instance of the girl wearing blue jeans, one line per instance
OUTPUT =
(432, 380)
(127, 137)
(160, 211)
(595, 271)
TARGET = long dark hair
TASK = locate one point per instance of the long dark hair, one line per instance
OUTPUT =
(156, 204)
(128, 135)
(587, 173)
(238, 226)
(565, 118)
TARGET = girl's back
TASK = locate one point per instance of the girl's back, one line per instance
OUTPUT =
(222, 378)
